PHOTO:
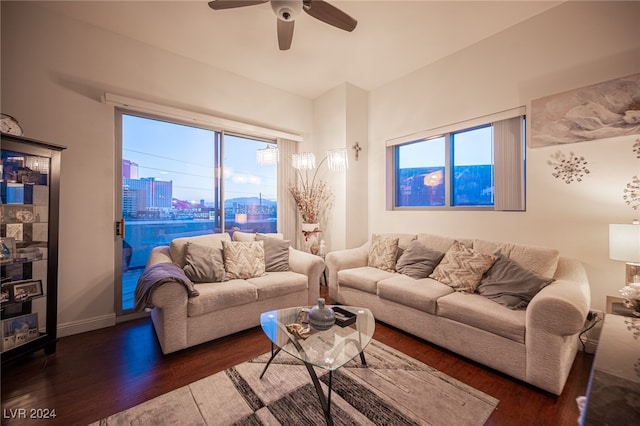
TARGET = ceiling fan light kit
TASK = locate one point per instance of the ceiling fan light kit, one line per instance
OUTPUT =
(287, 11)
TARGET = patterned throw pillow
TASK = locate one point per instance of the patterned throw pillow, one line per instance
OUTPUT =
(462, 267)
(243, 260)
(383, 252)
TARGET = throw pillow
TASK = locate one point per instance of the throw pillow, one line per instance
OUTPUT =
(511, 285)
(462, 267)
(276, 253)
(243, 259)
(382, 253)
(418, 261)
(203, 264)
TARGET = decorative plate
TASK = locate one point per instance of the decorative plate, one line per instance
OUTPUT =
(10, 125)
(24, 216)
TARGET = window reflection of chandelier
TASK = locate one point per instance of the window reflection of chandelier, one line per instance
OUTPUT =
(241, 218)
(433, 179)
(267, 155)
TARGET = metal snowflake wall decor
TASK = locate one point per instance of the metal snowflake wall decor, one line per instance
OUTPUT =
(572, 169)
(632, 193)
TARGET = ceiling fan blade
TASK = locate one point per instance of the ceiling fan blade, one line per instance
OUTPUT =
(285, 34)
(230, 4)
(329, 14)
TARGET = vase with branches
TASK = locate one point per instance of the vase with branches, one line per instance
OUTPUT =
(313, 196)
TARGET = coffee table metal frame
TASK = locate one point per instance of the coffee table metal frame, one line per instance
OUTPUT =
(351, 341)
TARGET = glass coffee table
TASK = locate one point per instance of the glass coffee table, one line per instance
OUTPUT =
(329, 349)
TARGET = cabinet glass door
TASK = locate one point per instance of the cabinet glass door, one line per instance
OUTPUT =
(29, 181)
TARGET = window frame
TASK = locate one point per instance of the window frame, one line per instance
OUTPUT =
(221, 127)
(446, 132)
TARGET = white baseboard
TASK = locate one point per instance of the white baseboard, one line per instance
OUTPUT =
(590, 345)
(90, 324)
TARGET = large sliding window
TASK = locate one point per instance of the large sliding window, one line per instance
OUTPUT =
(180, 180)
(480, 166)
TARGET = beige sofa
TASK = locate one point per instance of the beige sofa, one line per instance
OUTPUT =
(230, 305)
(536, 344)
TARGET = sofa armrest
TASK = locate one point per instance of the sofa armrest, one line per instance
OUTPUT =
(562, 307)
(344, 259)
(169, 316)
(171, 295)
(310, 265)
(554, 319)
(159, 254)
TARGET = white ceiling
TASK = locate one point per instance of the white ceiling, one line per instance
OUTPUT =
(392, 39)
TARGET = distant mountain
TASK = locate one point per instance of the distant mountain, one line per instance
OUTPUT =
(243, 201)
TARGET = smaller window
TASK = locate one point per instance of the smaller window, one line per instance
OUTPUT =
(472, 167)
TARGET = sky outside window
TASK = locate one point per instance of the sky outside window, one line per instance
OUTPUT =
(185, 155)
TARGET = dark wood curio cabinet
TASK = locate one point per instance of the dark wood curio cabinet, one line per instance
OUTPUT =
(29, 192)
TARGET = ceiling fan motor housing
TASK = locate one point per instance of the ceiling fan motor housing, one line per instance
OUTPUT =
(286, 10)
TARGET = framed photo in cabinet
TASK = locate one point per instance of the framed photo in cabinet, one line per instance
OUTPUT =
(26, 289)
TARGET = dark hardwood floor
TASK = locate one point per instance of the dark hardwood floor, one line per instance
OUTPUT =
(95, 374)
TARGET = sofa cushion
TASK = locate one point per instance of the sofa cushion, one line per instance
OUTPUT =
(363, 278)
(539, 260)
(418, 261)
(462, 267)
(215, 296)
(441, 243)
(243, 260)
(276, 253)
(420, 294)
(479, 312)
(178, 246)
(276, 284)
(203, 264)
(383, 252)
(509, 284)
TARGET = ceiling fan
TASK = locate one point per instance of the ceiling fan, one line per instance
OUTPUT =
(288, 10)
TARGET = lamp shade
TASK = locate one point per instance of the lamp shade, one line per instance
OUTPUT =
(624, 242)
(303, 161)
(338, 159)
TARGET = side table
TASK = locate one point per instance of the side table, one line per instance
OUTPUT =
(613, 395)
(615, 305)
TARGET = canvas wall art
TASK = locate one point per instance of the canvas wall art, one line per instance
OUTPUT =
(603, 110)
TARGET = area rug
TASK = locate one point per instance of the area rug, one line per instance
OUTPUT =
(393, 389)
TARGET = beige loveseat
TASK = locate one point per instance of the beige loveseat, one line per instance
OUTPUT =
(230, 304)
(536, 343)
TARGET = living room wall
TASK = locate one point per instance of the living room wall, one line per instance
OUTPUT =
(54, 72)
(341, 120)
(573, 45)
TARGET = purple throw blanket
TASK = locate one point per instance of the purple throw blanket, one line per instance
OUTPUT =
(156, 275)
